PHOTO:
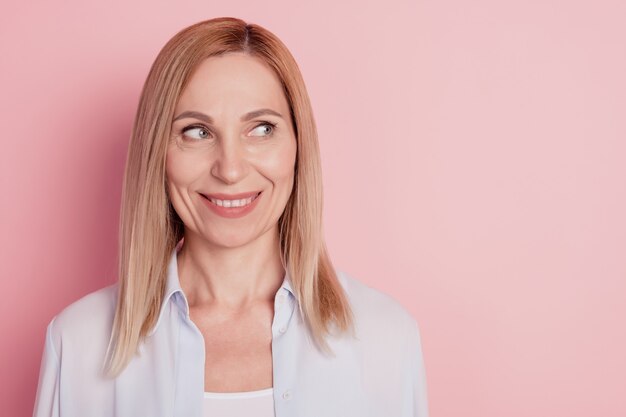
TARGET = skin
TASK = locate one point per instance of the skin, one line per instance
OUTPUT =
(230, 269)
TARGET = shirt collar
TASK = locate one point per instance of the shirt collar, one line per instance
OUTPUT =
(174, 291)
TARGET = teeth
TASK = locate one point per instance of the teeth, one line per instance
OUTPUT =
(233, 203)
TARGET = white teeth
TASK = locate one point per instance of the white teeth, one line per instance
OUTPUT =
(233, 203)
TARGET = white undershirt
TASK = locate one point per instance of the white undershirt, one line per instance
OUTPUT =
(239, 404)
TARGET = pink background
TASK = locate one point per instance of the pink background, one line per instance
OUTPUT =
(474, 168)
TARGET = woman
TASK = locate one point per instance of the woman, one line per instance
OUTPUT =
(227, 303)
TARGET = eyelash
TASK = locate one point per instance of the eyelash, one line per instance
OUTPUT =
(197, 126)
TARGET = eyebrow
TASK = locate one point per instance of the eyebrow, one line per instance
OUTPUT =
(244, 118)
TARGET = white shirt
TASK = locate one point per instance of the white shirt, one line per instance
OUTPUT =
(239, 404)
(379, 374)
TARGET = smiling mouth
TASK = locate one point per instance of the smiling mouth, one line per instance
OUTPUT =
(243, 202)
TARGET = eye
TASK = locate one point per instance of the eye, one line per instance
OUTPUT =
(265, 127)
(197, 132)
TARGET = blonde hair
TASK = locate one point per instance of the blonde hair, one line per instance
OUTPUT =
(150, 228)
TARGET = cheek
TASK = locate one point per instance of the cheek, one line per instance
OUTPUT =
(279, 165)
(180, 169)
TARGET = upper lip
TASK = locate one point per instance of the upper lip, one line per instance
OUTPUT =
(220, 196)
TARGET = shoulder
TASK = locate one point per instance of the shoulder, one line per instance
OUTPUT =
(364, 298)
(376, 312)
(85, 321)
(389, 346)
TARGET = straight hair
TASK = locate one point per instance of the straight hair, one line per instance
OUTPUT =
(150, 228)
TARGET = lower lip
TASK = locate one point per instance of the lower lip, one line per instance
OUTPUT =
(232, 212)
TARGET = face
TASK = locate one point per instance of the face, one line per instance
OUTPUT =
(231, 134)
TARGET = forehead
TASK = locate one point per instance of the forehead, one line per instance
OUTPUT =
(234, 81)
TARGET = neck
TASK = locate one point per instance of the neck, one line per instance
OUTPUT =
(233, 277)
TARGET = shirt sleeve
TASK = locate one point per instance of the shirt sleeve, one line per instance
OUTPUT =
(418, 403)
(47, 397)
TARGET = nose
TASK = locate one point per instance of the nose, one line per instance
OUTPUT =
(229, 164)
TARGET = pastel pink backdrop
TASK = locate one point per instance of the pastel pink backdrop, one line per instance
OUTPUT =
(473, 157)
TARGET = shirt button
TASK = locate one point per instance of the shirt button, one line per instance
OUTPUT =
(283, 329)
(287, 395)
